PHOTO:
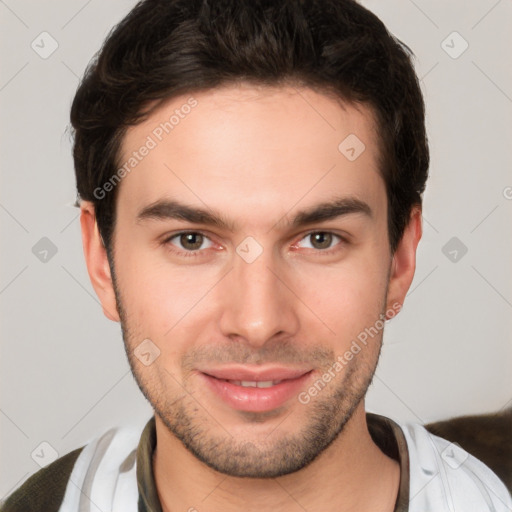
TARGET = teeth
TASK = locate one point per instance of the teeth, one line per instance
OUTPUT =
(265, 384)
(254, 384)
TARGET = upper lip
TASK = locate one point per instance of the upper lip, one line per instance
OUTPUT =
(255, 374)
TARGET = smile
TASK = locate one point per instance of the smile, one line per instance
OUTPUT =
(249, 390)
(254, 384)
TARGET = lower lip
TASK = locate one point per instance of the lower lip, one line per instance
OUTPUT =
(252, 399)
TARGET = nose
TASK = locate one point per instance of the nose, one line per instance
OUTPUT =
(257, 304)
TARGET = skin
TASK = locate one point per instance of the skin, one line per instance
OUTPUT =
(256, 156)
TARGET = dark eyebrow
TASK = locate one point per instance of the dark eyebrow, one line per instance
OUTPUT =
(170, 209)
(331, 210)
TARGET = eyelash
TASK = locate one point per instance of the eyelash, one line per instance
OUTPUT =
(186, 254)
(200, 252)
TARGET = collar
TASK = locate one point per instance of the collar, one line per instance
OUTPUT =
(387, 434)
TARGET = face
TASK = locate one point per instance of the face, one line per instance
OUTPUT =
(250, 253)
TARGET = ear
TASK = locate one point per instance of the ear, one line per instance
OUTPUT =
(403, 264)
(97, 261)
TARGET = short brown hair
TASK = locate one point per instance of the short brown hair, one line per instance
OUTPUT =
(165, 48)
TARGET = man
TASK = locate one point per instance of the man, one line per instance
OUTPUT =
(250, 177)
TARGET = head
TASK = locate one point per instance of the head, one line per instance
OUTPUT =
(250, 177)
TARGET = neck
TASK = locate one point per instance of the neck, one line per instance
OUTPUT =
(352, 474)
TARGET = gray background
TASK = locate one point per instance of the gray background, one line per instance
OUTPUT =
(63, 372)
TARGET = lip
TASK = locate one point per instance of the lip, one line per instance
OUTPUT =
(254, 399)
(238, 372)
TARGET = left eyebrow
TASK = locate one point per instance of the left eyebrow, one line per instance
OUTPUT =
(331, 210)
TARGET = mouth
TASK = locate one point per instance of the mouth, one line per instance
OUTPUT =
(254, 383)
(249, 390)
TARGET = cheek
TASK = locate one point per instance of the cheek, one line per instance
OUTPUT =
(161, 301)
(348, 297)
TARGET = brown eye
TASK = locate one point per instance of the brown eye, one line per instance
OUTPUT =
(321, 240)
(188, 243)
(191, 241)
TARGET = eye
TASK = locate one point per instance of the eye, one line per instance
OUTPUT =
(190, 241)
(320, 240)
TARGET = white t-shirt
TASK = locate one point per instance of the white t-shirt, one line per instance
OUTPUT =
(436, 475)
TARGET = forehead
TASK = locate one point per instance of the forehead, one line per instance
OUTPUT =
(251, 148)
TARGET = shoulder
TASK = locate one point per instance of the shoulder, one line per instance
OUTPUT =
(443, 476)
(45, 489)
(108, 459)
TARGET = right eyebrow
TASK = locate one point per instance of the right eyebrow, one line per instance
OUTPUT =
(170, 209)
